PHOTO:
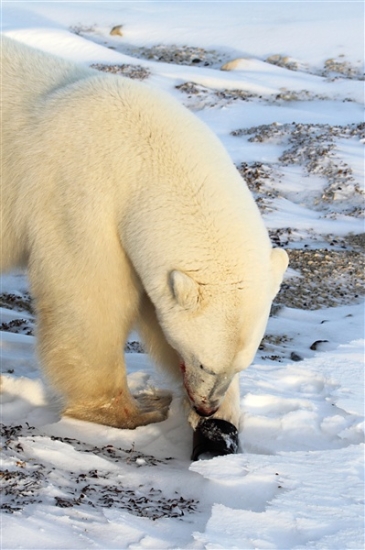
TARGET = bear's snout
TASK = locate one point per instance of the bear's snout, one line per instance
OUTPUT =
(205, 412)
(205, 390)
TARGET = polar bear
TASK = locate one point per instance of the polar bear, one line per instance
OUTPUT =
(129, 214)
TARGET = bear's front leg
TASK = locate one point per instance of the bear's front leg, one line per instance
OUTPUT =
(93, 386)
(218, 434)
(84, 316)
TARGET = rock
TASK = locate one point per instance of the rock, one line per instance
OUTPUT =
(116, 31)
(235, 64)
(318, 344)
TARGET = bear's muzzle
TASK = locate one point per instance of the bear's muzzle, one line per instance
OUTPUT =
(205, 391)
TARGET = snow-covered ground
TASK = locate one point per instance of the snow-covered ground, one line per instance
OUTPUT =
(290, 113)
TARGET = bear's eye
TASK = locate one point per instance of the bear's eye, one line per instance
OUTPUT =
(208, 371)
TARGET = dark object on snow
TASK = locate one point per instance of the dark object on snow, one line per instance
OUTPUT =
(317, 344)
(214, 437)
(295, 356)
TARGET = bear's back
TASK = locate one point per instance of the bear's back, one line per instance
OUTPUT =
(28, 73)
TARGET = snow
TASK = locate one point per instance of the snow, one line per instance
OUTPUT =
(297, 482)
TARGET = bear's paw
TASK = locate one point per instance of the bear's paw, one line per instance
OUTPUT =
(124, 411)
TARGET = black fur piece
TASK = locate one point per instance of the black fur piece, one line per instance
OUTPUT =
(214, 437)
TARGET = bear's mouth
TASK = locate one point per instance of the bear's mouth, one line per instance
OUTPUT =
(202, 409)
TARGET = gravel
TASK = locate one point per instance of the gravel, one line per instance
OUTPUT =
(328, 278)
(135, 72)
(312, 146)
(28, 481)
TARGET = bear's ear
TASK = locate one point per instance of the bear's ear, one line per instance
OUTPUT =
(279, 263)
(184, 289)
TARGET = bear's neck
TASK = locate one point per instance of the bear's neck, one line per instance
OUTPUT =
(190, 209)
(212, 236)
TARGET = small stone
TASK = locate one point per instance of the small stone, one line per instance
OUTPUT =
(116, 31)
(317, 344)
(295, 356)
(234, 64)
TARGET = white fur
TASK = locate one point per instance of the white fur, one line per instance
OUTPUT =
(129, 213)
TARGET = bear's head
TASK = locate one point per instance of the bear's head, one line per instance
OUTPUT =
(216, 328)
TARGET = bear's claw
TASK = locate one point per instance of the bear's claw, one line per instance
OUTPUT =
(214, 437)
